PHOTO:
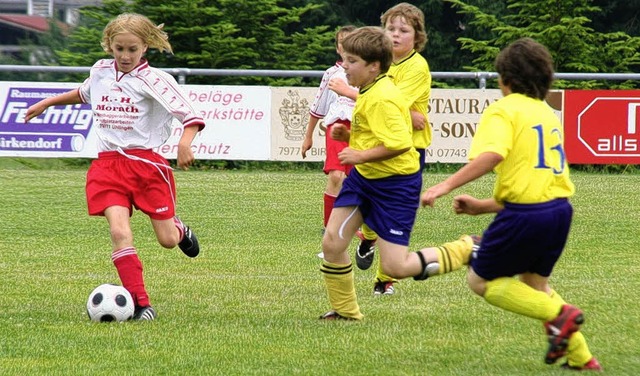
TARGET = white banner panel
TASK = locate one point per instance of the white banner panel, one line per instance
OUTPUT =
(237, 122)
(454, 115)
(242, 123)
(290, 117)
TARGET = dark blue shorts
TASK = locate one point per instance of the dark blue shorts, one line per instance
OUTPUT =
(524, 238)
(388, 205)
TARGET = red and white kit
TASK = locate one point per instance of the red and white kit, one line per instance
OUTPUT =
(135, 110)
(327, 104)
(134, 113)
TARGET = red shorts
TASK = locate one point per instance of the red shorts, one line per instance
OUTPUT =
(143, 180)
(333, 147)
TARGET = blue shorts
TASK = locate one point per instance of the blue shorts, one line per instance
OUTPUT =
(524, 238)
(388, 205)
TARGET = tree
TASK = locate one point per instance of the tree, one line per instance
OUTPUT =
(562, 26)
(225, 34)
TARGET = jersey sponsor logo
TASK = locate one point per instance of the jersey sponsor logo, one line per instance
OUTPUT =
(59, 128)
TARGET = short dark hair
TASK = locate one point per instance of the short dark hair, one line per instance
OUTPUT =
(371, 44)
(526, 66)
(346, 29)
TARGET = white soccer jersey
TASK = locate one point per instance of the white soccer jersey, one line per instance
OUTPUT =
(135, 110)
(329, 105)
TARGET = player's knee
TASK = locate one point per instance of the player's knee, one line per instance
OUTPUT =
(476, 283)
(121, 235)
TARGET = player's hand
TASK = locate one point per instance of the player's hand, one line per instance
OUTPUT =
(339, 86)
(465, 204)
(429, 197)
(348, 156)
(306, 145)
(34, 111)
(340, 132)
(418, 120)
(185, 156)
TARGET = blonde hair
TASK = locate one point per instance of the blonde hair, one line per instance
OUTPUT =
(414, 17)
(138, 25)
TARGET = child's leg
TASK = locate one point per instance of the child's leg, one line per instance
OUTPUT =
(336, 268)
(515, 296)
(124, 255)
(578, 353)
(397, 262)
(334, 183)
(129, 270)
(446, 258)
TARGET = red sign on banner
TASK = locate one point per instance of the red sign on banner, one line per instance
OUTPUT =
(602, 126)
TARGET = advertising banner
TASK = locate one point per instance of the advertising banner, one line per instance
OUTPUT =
(601, 126)
(237, 120)
(63, 131)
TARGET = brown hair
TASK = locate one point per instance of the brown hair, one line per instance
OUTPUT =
(343, 30)
(526, 66)
(414, 17)
(138, 25)
(371, 44)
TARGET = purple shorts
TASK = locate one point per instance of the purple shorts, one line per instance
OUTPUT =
(524, 238)
(388, 205)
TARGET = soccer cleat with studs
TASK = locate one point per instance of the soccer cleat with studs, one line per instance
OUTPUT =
(144, 314)
(591, 365)
(365, 252)
(560, 329)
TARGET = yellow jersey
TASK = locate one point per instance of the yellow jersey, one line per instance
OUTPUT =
(381, 117)
(413, 77)
(529, 136)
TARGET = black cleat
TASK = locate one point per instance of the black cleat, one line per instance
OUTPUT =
(144, 314)
(189, 243)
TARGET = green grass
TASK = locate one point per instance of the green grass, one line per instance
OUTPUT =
(248, 305)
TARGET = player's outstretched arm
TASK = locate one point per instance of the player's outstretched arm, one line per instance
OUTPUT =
(478, 167)
(466, 204)
(70, 97)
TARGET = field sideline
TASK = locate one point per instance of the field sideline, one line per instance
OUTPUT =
(248, 305)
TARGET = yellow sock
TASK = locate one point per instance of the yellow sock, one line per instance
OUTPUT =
(578, 353)
(368, 233)
(515, 296)
(452, 255)
(341, 289)
(380, 276)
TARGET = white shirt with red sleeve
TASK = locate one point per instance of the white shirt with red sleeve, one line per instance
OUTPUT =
(135, 110)
(327, 104)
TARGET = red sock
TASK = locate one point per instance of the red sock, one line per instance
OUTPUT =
(329, 200)
(130, 271)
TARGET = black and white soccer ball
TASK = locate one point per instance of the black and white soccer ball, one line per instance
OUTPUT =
(109, 302)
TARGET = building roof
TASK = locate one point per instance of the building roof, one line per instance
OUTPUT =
(36, 24)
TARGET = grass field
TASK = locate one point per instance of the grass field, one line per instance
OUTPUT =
(248, 305)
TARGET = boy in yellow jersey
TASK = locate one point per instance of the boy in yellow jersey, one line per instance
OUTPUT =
(404, 24)
(521, 139)
(383, 188)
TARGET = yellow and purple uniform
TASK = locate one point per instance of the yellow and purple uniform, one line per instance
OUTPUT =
(413, 77)
(387, 192)
(532, 183)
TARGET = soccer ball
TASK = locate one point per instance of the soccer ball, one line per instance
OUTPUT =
(108, 303)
